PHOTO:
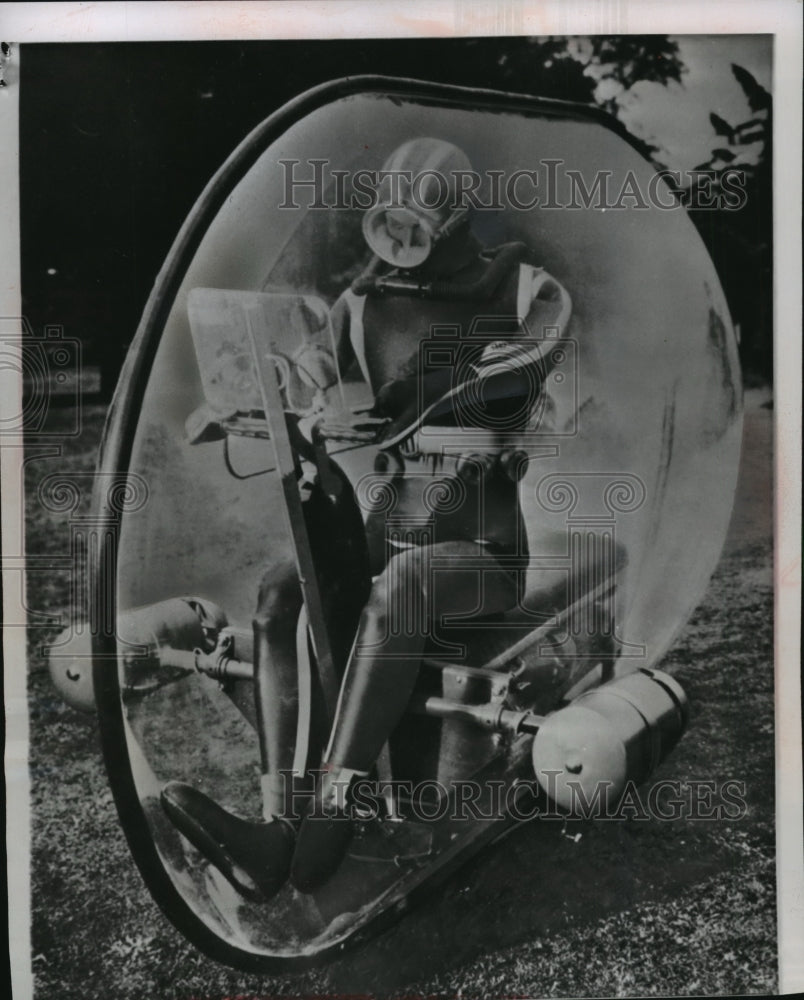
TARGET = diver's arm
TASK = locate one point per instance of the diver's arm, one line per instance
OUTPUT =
(544, 304)
(341, 331)
(322, 364)
(320, 360)
(544, 308)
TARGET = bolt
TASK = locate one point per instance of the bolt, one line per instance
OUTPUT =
(574, 765)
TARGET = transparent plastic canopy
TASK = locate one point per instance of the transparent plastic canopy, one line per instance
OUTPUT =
(643, 440)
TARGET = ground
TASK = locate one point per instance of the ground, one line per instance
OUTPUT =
(619, 908)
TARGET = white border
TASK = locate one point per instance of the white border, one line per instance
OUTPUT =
(197, 21)
(82, 22)
(18, 838)
(787, 216)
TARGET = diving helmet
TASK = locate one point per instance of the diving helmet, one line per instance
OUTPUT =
(417, 201)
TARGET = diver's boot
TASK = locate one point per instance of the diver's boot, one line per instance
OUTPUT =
(325, 833)
(254, 855)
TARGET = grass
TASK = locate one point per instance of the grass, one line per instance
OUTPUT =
(622, 909)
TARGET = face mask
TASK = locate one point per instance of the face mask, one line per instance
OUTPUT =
(399, 236)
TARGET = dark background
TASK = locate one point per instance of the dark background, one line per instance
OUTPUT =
(118, 140)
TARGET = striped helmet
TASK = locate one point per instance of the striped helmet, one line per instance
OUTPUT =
(416, 201)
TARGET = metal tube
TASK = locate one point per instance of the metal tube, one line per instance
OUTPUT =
(489, 716)
(221, 668)
(182, 659)
(286, 463)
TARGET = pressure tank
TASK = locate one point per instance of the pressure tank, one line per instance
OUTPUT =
(610, 736)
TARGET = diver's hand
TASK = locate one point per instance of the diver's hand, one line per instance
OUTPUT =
(394, 396)
(316, 367)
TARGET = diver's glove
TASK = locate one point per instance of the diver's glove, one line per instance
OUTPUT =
(316, 366)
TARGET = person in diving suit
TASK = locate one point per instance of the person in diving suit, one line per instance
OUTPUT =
(450, 543)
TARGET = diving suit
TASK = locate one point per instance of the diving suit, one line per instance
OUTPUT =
(441, 329)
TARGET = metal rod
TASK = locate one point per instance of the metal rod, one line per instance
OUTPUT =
(222, 668)
(286, 463)
(462, 668)
(489, 716)
(181, 659)
(543, 631)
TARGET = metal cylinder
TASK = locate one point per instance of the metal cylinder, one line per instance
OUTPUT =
(177, 624)
(475, 468)
(608, 737)
(70, 666)
(515, 464)
(180, 622)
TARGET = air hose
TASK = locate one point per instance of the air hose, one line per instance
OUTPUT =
(505, 258)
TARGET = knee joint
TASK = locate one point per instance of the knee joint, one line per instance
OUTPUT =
(279, 594)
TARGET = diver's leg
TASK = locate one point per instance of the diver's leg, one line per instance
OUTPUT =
(343, 579)
(384, 664)
(255, 855)
(417, 587)
(377, 685)
(276, 688)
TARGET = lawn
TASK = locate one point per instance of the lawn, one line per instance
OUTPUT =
(627, 908)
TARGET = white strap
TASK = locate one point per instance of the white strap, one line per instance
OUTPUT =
(524, 294)
(531, 282)
(357, 334)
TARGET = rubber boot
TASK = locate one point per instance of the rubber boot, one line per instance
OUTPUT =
(326, 831)
(254, 855)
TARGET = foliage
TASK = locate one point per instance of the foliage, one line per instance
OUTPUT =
(600, 69)
(622, 61)
(741, 241)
